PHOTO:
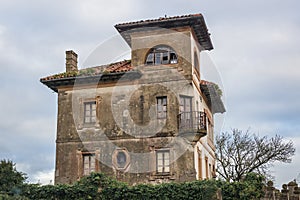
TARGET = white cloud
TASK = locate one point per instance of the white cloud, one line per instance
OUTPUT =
(43, 177)
(95, 11)
(284, 173)
(2, 32)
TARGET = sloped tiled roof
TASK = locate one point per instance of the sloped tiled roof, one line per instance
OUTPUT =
(122, 66)
(93, 75)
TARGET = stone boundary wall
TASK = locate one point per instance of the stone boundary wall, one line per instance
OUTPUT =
(289, 191)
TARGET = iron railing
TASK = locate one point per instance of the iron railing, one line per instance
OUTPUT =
(192, 121)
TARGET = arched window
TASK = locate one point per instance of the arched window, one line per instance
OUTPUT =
(161, 55)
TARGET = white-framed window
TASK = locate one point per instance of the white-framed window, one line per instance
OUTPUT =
(89, 163)
(163, 161)
(89, 112)
(161, 103)
(161, 55)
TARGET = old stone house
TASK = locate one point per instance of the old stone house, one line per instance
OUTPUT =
(148, 119)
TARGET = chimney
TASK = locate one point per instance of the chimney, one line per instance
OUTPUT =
(71, 61)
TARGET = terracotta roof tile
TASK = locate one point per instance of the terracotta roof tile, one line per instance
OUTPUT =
(204, 82)
(160, 19)
(122, 66)
(118, 67)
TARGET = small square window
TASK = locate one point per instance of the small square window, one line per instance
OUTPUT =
(90, 112)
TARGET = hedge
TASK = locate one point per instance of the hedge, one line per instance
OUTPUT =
(98, 186)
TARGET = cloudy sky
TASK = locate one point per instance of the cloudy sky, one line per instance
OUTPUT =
(256, 57)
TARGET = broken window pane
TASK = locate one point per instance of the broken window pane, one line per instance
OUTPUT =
(161, 107)
(150, 59)
(161, 55)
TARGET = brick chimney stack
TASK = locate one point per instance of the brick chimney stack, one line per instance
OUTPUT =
(71, 61)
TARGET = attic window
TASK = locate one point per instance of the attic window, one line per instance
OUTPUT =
(161, 55)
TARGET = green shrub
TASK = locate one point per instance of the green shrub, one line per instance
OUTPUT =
(98, 186)
(250, 188)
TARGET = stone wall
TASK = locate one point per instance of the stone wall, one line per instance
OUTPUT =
(289, 191)
(74, 138)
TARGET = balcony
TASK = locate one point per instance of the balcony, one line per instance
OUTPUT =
(192, 125)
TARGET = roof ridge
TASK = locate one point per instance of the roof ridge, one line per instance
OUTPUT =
(165, 18)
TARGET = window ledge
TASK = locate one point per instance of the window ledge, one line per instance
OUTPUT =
(89, 125)
(162, 176)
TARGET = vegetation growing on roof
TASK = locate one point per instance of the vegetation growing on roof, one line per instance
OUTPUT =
(105, 69)
(218, 89)
(105, 72)
(87, 72)
(65, 74)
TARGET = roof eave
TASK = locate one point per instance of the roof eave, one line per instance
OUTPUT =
(54, 84)
(197, 22)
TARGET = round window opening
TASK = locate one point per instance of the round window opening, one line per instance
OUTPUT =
(121, 159)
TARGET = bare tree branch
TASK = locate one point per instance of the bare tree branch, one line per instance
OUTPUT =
(240, 153)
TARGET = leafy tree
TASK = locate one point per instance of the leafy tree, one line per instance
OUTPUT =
(10, 178)
(241, 153)
(251, 187)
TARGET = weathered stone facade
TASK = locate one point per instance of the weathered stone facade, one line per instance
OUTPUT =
(139, 122)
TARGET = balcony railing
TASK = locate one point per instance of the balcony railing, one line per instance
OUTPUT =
(192, 125)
